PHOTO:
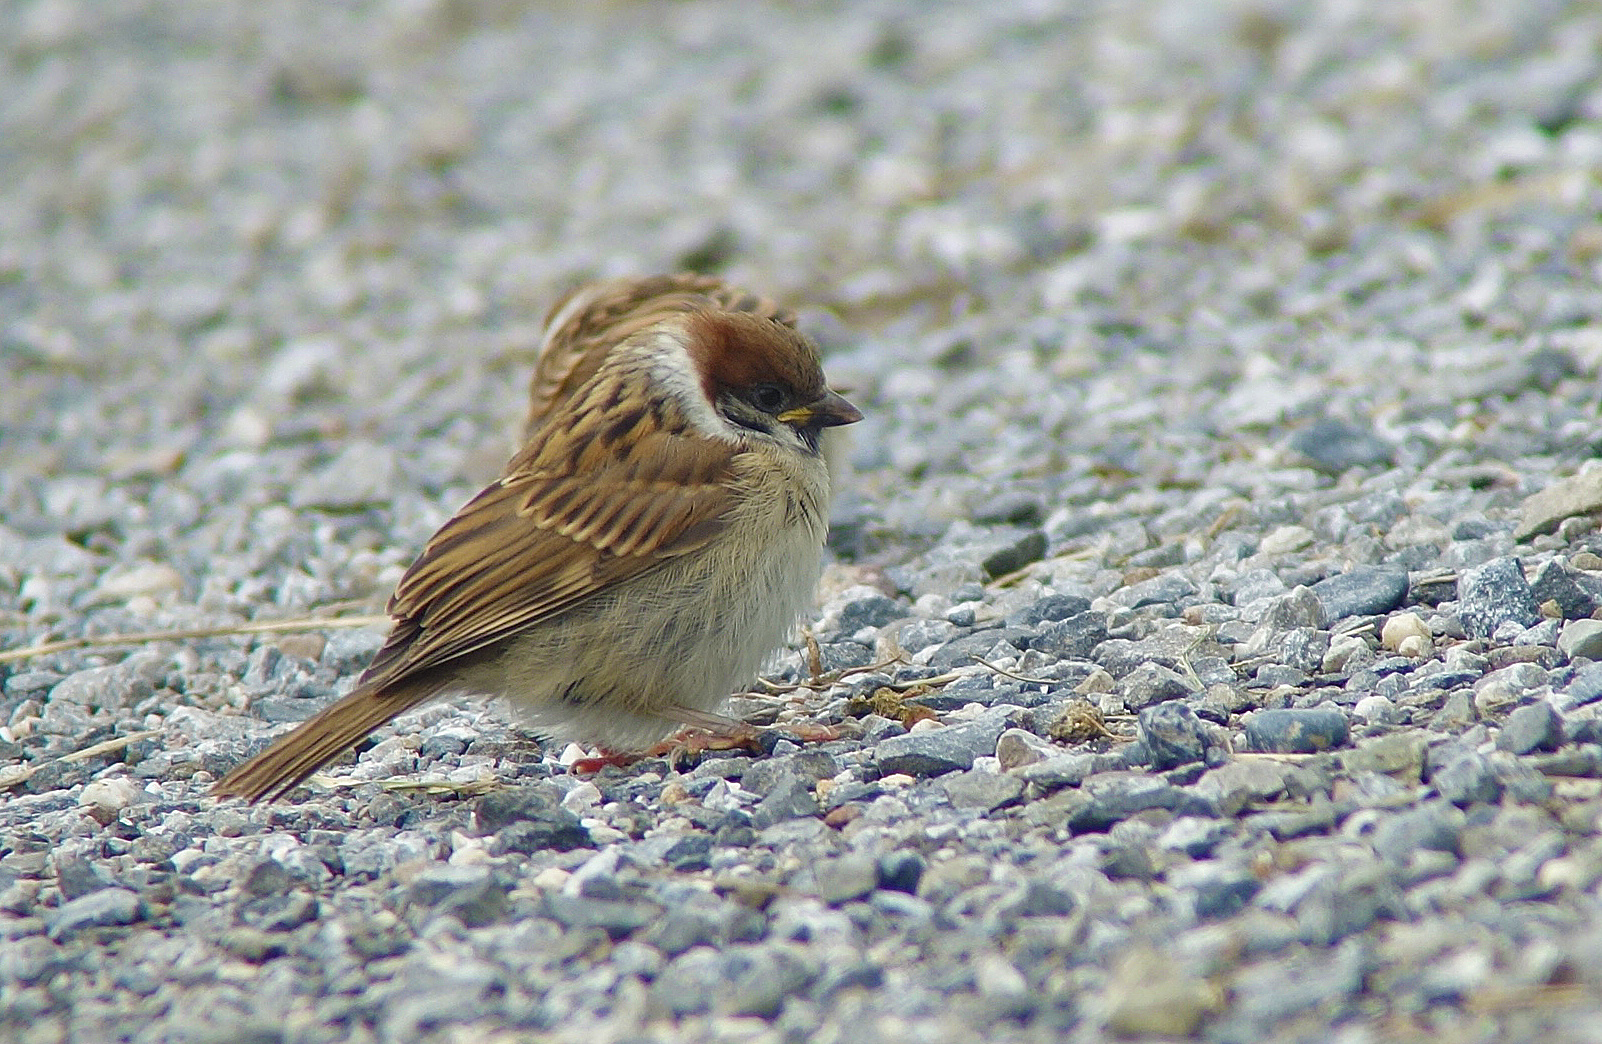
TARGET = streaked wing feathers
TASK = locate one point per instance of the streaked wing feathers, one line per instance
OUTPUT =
(582, 508)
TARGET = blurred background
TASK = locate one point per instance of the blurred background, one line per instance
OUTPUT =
(292, 257)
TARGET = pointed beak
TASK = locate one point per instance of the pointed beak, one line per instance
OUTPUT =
(827, 412)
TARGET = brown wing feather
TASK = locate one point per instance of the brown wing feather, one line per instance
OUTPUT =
(586, 323)
(579, 510)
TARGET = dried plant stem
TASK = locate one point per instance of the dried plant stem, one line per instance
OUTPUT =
(180, 634)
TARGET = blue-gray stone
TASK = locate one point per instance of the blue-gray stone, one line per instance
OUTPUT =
(1172, 735)
(106, 908)
(1115, 796)
(937, 751)
(1031, 547)
(1152, 683)
(1494, 593)
(982, 791)
(1333, 446)
(1074, 638)
(901, 871)
(1166, 589)
(846, 878)
(1531, 728)
(1576, 596)
(872, 611)
(1296, 730)
(790, 797)
(1466, 777)
(1364, 591)
(1224, 895)
(1437, 826)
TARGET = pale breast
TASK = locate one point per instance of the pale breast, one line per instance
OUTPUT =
(685, 635)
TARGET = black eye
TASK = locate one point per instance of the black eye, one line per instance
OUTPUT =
(769, 398)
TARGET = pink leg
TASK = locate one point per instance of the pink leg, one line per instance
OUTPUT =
(693, 740)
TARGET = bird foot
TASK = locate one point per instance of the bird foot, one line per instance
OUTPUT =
(601, 759)
(693, 741)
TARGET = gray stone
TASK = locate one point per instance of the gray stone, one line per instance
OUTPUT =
(1152, 683)
(1196, 836)
(689, 853)
(31, 683)
(682, 928)
(267, 876)
(1115, 796)
(1168, 648)
(1456, 712)
(1127, 863)
(1051, 609)
(1296, 730)
(527, 820)
(1064, 770)
(117, 686)
(1583, 688)
(846, 878)
(1543, 633)
(763, 978)
(793, 796)
(1363, 591)
(1303, 648)
(813, 764)
(1436, 826)
(1233, 786)
(1256, 584)
(362, 473)
(1273, 675)
(1016, 748)
(1298, 608)
(1172, 735)
(842, 656)
(935, 752)
(1531, 728)
(1579, 494)
(1332, 445)
(1466, 777)
(77, 875)
(1040, 898)
(960, 652)
(983, 791)
(1556, 583)
(901, 871)
(1031, 547)
(920, 634)
(1581, 638)
(1166, 589)
(618, 918)
(1014, 508)
(1400, 754)
(872, 611)
(1493, 594)
(105, 908)
(1377, 710)
(1223, 894)
(30, 959)
(474, 894)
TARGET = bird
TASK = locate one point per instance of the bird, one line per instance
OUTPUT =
(651, 544)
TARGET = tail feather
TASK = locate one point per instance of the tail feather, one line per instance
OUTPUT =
(318, 740)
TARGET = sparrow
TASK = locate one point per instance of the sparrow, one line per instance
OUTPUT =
(647, 549)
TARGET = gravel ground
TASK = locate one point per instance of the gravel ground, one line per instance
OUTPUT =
(1213, 629)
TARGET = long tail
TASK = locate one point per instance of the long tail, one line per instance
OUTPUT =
(320, 739)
